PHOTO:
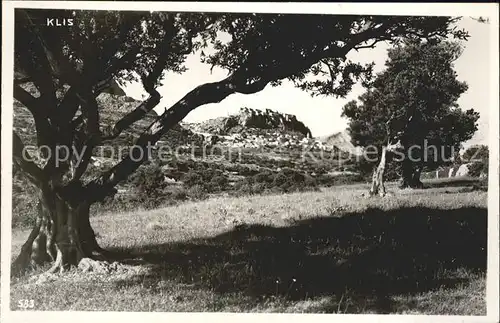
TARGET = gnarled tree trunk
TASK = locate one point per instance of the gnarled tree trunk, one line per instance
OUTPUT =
(62, 235)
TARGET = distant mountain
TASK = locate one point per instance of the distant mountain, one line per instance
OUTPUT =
(248, 118)
(341, 140)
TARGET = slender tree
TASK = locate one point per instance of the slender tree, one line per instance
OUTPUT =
(70, 67)
(412, 108)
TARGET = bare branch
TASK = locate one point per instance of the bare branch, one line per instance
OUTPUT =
(372, 45)
(252, 87)
(131, 117)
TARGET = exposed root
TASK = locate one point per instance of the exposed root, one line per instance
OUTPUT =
(58, 264)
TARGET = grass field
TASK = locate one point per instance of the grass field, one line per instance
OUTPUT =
(332, 251)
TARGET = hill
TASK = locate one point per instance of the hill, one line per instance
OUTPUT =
(256, 119)
(341, 140)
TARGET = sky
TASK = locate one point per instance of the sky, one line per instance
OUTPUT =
(323, 114)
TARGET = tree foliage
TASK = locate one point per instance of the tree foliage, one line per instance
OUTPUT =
(477, 157)
(476, 153)
(417, 94)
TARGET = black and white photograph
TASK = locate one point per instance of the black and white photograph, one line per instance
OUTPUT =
(301, 159)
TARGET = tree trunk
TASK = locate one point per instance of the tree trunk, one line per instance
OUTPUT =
(407, 173)
(378, 187)
(61, 235)
(416, 182)
(411, 175)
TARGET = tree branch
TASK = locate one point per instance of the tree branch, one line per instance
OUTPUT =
(42, 125)
(68, 106)
(131, 117)
(149, 83)
(93, 137)
(24, 161)
(28, 100)
(372, 45)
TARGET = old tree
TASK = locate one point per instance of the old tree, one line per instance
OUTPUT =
(411, 111)
(71, 66)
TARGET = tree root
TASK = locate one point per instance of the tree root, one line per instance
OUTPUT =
(58, 264)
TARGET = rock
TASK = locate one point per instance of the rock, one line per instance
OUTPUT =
(341, 140)
(463, 170)
(100, 267)
(249, 118)
(170, 180)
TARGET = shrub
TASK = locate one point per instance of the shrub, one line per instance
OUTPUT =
(478, 168)
(179, 194)
(265, 176)
(197, 192)
(218, 183)
(192, 178)
(212, 180)
(149, 179)
(286, 180)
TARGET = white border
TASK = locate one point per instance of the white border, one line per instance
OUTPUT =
(458, 9)
(492, 273)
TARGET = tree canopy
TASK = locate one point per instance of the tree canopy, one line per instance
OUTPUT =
(417, 95)
(476, 153)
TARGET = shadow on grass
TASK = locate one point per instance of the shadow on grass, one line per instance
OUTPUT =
(369, 255)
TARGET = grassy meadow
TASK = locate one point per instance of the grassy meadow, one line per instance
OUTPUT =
(327, 251)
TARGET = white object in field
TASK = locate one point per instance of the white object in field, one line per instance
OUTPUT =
(463, 170)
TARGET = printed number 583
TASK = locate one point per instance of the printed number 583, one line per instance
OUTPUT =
(26, 303)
